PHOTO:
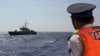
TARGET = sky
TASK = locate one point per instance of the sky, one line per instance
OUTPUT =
(42, 15)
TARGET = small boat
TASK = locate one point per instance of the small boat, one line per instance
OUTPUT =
(23, 31)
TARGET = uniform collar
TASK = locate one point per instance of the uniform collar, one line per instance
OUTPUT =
(87, 25)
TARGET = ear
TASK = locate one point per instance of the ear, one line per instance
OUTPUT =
(92, 20)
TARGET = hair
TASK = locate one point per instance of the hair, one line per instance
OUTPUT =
(84, 19)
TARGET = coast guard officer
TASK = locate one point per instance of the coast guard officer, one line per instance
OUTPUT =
(85, 41)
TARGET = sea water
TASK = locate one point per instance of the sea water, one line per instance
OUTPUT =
(42, 44)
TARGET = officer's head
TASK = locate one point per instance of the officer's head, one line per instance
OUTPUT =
(81, 14)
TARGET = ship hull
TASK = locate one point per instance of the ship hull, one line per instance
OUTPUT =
(22, 33)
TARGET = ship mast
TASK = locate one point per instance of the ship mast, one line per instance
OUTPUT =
(26, 23)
